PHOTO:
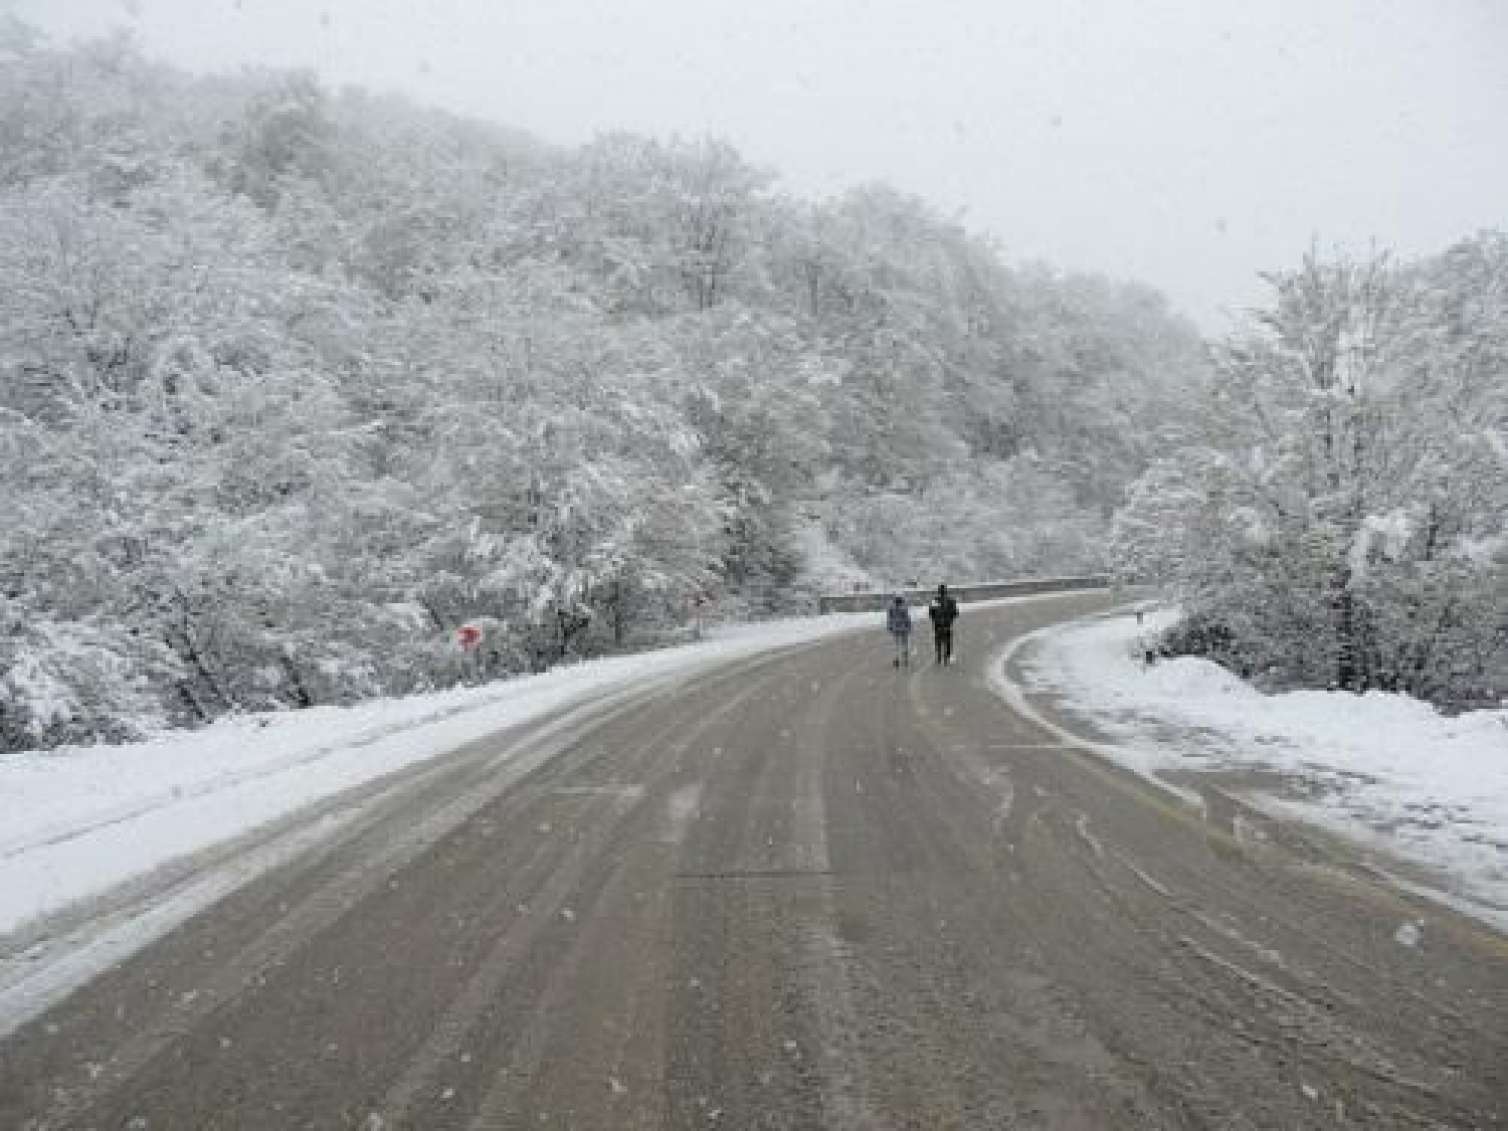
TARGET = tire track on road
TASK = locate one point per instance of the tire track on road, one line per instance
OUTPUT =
(565, 879)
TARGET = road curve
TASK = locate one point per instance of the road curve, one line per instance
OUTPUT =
(807, 890)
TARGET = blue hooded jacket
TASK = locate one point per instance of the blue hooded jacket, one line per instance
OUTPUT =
(898, 617)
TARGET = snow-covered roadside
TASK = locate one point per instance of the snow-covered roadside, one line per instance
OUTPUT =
(1385, 769)
(77, 821)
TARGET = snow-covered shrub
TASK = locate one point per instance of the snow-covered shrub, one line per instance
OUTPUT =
(74, 682)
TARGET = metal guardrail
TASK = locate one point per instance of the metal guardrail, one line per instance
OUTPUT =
(873, 601)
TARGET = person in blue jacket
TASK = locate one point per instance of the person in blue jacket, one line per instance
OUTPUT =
(898, 622)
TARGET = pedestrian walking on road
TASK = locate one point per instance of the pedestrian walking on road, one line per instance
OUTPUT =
(943, 611)
(898, 622)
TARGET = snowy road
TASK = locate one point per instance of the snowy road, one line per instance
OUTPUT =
(801, 890)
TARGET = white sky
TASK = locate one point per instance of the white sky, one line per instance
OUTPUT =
(1186, 144)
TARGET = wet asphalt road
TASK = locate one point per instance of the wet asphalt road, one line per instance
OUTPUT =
(803, 891)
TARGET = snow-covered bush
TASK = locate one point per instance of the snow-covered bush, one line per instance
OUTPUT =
(75, 682)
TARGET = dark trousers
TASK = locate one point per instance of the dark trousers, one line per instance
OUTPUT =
(902, 649)
(942, 638)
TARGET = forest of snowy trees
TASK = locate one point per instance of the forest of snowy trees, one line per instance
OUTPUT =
(293, 383)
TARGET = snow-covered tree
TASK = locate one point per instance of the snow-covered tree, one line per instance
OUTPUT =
(1342, 522)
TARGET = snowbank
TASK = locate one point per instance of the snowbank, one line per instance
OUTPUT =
(76, 821)
(1386, 768)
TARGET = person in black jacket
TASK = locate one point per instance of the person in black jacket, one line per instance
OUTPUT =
(942, 612)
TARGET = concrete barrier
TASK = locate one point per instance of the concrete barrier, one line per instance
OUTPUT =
(875, 601)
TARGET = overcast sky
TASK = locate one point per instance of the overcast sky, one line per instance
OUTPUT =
(1186, 144)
